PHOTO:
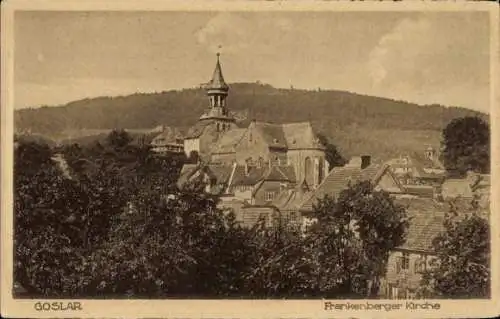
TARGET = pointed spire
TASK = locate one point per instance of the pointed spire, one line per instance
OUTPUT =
(217, 81)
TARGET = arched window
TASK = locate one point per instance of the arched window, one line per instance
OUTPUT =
(308, 171)
(321, 170)
(218, 127)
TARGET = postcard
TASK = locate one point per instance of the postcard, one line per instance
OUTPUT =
(249, 159)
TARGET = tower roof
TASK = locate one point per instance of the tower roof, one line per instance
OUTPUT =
(217, 82)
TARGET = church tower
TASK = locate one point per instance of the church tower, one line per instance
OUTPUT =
(217, 92)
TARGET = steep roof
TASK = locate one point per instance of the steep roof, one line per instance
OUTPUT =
(255, 174)
(258, 174)
(291, 199)
(228, 141)
(280, 173)
(339, 178)
(197, 130)
(300, 135)
(167, 135)
(426, 222)
(272, 133)
(250, 214)
(221, 173)
(422, 230)
(289, 135)
(217, 82)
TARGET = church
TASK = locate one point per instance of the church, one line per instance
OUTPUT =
(269, 170)
(244, 158)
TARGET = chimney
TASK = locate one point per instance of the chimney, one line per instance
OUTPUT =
(365, 161)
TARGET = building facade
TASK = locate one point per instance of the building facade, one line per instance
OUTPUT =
(217, 140)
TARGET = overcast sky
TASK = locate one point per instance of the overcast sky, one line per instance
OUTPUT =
(419, 57)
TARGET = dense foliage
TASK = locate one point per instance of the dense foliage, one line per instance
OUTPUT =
(112, 223)
(333, 156)
(462, 265)
(466, 144)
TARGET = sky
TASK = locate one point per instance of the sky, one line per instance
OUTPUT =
(421, 57)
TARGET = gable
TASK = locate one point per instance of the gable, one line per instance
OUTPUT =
(301, 136)
(387, 182)
(229, 141)
(251, 145)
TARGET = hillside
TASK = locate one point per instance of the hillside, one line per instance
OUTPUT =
(356, 123)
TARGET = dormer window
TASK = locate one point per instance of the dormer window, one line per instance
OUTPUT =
(275, 141)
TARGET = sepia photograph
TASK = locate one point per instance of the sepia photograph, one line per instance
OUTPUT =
(217, 153)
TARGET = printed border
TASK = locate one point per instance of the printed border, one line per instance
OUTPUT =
(20, 308)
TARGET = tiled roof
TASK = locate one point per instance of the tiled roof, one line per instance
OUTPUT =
(168, 135)
(250, 215)
(300, 135)
(456, 187)
(255, 174)
(289, 135)
(336, 181)
(220, 172)
(197, 129)
(339, 178)
(272, 133)
(280, 173)
(426, 222)
(291, 199)
(229, 140)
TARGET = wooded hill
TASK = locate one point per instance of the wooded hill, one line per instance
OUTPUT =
(355, 123)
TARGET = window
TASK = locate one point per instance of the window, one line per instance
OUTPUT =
(308, 168)
(402, 262)
(405, 261)
(269, 196)
(420, 265)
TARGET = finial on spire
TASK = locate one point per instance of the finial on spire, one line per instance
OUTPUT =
(218, 50)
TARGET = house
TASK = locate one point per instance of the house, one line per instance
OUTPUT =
(244, 189)
(289, 203)
(407, 262)
(214, 177)
(419, 168)
(169, 140)
(357, 170)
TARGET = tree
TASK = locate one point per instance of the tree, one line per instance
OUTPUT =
(59, 222)
(333, 156)
(466, 143)
(352, 238)
(462, 266)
